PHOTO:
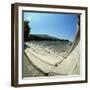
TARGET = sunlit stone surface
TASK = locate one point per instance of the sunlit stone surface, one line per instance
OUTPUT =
(43, 55)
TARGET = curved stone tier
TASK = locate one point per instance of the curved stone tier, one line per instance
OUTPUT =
(70, 65)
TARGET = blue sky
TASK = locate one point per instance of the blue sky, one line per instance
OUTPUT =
(58, 25)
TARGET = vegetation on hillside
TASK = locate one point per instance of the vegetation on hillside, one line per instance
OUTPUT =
(27, 29)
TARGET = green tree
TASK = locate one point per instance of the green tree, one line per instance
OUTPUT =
(26, 30)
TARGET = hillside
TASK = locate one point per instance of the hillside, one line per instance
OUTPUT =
(39, 37)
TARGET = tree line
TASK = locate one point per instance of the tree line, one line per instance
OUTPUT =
(27, 30)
